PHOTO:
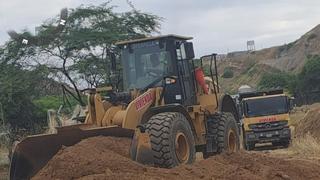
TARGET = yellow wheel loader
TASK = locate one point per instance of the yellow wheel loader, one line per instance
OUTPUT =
(166, 105)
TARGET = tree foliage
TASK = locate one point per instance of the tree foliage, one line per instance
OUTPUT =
(275, 80)
(309, 78)
(80, 52)
(17, 89)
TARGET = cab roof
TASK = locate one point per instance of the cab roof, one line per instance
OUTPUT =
(263, 97)
(153, 38)
(256, 94)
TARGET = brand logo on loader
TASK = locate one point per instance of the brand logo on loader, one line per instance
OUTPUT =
(144, 100)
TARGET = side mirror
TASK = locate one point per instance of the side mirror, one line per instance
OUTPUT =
(291, 103)
(188, 47)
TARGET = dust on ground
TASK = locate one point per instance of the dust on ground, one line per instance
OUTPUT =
(107, 158)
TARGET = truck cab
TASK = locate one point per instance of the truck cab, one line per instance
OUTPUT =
(265, 118)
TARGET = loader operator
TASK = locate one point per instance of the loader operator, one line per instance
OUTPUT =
(153, 68)
(156, 68)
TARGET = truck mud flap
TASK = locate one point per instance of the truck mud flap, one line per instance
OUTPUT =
(34, 152)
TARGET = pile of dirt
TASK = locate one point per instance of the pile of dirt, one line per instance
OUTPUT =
(107, 158)
(310, 124)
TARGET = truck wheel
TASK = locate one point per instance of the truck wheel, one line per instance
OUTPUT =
(172, 140)
(286, 144)
(249, 146)
(223, 128)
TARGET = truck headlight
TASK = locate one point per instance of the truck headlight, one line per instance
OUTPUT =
(251, 136)
(286, 131)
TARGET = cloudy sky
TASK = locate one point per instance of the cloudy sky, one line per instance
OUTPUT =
(216, 25)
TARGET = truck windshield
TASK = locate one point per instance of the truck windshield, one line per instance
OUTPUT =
(266, 106)
(143, 64)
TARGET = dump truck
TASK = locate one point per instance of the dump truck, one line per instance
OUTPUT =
(165, 104)
(265, 118)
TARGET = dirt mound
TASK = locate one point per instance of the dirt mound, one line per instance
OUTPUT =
(310, 124)
(107, 158)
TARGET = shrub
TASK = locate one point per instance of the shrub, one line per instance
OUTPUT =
(309, 78)
(227, 73)
(45, 103)
(278, 80)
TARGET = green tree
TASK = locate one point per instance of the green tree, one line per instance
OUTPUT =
(17, 89)
(309, 78)
(80, 52)
(278, 80)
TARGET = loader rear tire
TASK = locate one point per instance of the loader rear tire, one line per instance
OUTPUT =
(172, 140)
(223, 128)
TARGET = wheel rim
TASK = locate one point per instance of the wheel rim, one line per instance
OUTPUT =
(232, 143)
(182, 148)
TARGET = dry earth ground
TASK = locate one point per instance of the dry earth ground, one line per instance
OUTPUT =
(107, 158)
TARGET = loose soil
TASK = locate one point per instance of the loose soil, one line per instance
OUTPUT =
(108, 158)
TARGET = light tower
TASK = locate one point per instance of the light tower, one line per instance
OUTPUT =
(251, 45)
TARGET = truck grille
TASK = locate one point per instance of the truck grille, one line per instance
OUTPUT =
(268, 126)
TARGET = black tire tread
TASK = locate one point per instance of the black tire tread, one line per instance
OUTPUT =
(158, 128)
(216, 125)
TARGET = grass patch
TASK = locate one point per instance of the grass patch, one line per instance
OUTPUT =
(307, 146)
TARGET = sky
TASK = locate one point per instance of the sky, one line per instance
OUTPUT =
(219, 26)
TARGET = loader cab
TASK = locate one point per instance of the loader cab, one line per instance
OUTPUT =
(158, 62)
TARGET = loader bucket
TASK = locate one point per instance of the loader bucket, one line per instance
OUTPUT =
(33, 152)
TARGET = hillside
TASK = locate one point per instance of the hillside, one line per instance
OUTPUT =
(248, 67)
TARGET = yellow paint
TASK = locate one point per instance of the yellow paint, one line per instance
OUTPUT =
(134, 115)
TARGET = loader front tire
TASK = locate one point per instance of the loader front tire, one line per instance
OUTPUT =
(172, 140)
